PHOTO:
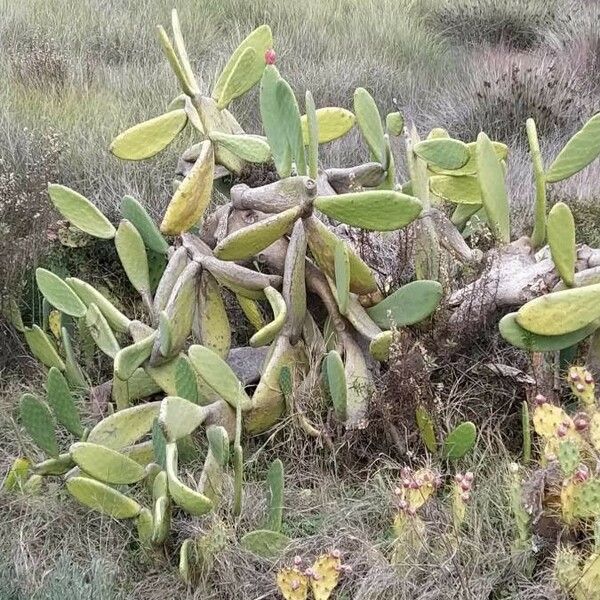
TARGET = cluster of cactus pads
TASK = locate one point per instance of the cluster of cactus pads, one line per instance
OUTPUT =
(565, 486)
(274, 245)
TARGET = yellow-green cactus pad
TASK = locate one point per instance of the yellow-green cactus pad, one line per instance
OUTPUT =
(253, 148)
(150, 137)
(369, 122)
(132, 254)
(58, 293)
(379, 210)
(459, 190)
(125, 427)
(444, 153)
(580, 151)
(561, 312)
(292, 583)
(42, 348)
(269, 332)
(192, 196)
(560, 226)
(100, 331)
(327, 571)
(333, 122)
(79, 211)
(211, 326)
(99, 496)
(105, 464)
(179, 417)
(249, 241)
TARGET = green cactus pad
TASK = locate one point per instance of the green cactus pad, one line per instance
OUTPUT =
(426, 428)
(182, 52)
(42, 348)
(342, 276)
(269, 332)
(218, 443)
(460, 441)
(379, 348)
(369, 122)
(249, 241)
(17, 475)
(310, 136)
(134, 212)
(62, 402)
(218, 376)
(79, 211)
(252, 148)
(323, 242)
(394, 123)
(179, 417)
(125, 427)
(265, 543)
(516, 335)
(586, 499)
(177, 263)
(561, 239)
(150, 137)
(54, 466)
(88, 294)
(73, 371)
(335, 380)
(101, 497)
(379, 210)
(58, 293)
(561, 312)
(186, 380)
(568, 457)
(471, 166)
(192, 196)
(251, 309)
(273, 122)
(37, 419)
(105, 464)
(9, 309)
(161, 519)
(459, 190)
(128, 359)
(101, 332)
(408, 305)
(260, 40)
(332, 123)
(275, 482)
(580, 151)
(186, 498)
(444, 153)
(493, 189)
(132, 254)
(165, 336)
(292, 127)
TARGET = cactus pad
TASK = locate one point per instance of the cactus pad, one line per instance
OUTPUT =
(42, 348)
(101, 497)
(105, 464)
(79, 211)
(444, 153)
(426, 428)
(332, 123)
(132, 254)
(62, 402)
(335, 380)
(292, 583)
(460, 441)
(568, 456)
(369, 122)
(561, 239)
(134, 212)
(379, 210)
(39, 423)
(326, 575)
(459, 190)
(275, 482)
(265, 543)
(58, 293)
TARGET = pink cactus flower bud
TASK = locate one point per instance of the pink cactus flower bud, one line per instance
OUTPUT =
(573, 375)
(582, 473)
(338, 568)
(406, 483)
(414, 485)
(402, 505)
(469, 476)
(316, 577)
(270, 56)
(588, 377)
(465, 496)
(562, 430)
(458, 477)
(540, 398)
(309, 572)
(581, 424)
(465, 486)
(297, 560)
(335, 553)
(295, 585)
(580, 387)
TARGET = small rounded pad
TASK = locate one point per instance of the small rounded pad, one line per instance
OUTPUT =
(326, 576)
(292, 583)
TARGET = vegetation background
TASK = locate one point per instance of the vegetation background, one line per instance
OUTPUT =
(76, 73)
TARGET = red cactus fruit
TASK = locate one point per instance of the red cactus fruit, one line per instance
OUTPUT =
(270, 56)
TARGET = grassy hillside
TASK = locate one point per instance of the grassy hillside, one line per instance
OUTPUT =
(77, 73)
